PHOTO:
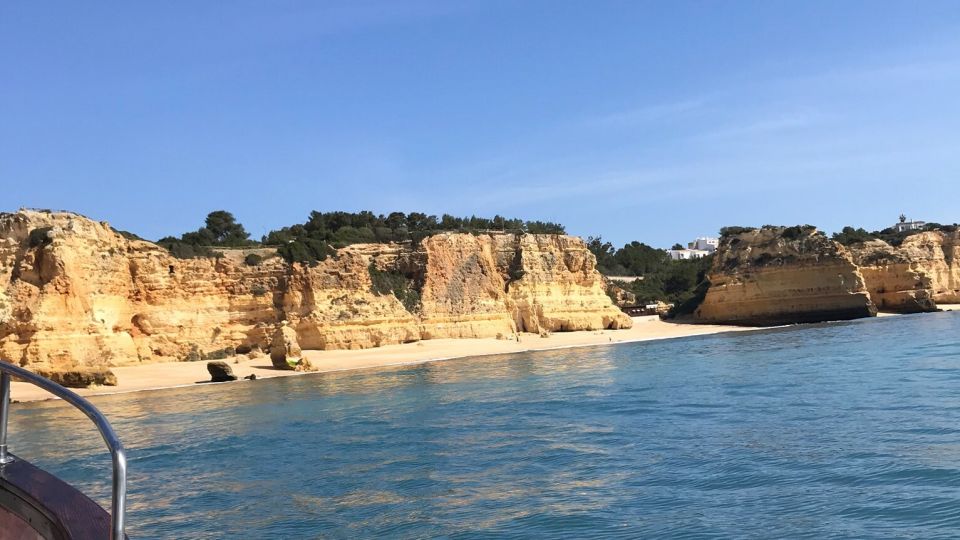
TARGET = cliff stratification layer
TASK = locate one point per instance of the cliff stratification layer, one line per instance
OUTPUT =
(75, 293)
(777, 275)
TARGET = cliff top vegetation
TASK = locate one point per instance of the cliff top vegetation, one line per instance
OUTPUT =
(663, 278)
(849, 236)
(322, 232)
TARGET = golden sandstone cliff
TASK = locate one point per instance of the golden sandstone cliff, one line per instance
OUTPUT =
(916, 275)
(782, 275)
(74, 293)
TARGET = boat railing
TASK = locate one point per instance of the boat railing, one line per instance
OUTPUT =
(117, 453)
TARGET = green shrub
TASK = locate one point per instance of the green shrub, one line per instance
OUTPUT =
(252, 259)
(127, 234)
(40, 237)
(516, 271)
(849, 236)
(690, 305)
(792, 233)
(305, 250)
(670, 281)
(392, 282)
(763, 259)
(182, 250)
(354, 235)
(735, 230)
(410, 298)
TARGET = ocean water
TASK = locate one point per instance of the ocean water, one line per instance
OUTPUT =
(845, 430)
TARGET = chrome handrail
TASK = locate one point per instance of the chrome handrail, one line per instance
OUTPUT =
(117, 453)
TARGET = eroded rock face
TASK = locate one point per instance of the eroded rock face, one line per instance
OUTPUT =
(620, 296)
(333, 306)
(914, 276)
(489, 285)
(284, 350)
(88, 296)
(778, 275)
(558, 289)
(74, 292)
(81, 377)
(464, 285)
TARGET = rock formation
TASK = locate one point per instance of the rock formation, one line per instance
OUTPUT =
(75, 293)
(913, 277)
(220, 372)
(782, 275)
(556, 287)
(621, 297)
(284, 349)
(504, 284)
(80, 377)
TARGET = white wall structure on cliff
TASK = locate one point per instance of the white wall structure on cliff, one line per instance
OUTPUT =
(75, 293)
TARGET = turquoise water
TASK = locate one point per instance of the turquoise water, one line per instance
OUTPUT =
(848, 430)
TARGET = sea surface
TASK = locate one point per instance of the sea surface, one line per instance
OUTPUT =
(844, 430)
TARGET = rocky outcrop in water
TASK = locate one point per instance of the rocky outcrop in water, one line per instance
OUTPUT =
(75, 293)
(782, 275)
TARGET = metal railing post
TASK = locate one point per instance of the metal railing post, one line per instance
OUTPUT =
(118, 504)
(117, 453)
(4, 416)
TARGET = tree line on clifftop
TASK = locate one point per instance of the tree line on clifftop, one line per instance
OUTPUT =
(323, 232)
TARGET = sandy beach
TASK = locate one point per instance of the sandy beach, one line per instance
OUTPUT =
(177, 374)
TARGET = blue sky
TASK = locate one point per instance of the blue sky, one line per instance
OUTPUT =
(634, 120)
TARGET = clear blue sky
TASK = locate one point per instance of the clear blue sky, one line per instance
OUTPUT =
(634, 120)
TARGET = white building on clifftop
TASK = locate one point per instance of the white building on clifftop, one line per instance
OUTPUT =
(904, 225)
(684, 254)
(704, 243)
(701, 247)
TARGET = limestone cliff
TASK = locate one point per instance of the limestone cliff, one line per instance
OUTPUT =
(464, 285)
(778, 275)
(75, 293)
(912, 277)
(555, 287)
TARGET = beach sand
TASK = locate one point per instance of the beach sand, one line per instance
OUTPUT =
(177, 374)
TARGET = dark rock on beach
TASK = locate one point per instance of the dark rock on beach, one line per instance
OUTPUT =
(220, 372)
(80, 377)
